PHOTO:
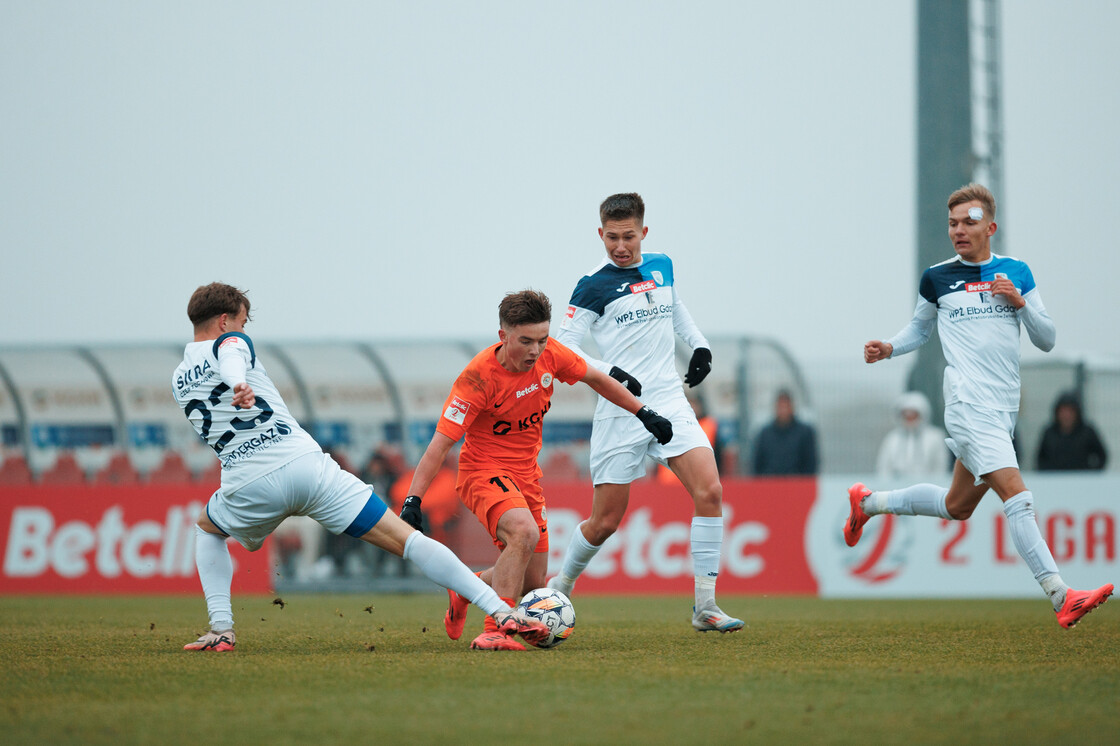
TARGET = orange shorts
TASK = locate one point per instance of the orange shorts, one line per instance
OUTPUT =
(489, 494)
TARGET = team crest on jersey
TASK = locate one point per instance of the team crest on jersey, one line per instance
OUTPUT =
(657, 277)
(457, 410)
(546, 380)
(643, 287)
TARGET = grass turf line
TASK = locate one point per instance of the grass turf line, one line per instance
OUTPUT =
(111, 670)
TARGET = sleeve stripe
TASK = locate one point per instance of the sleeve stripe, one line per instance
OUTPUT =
(227, 335)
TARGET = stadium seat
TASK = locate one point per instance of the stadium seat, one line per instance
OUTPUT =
(64, 471)
(119, 470)
(172, 470)
(15, 471)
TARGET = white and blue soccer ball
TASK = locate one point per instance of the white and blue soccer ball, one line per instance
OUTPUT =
(554, 609)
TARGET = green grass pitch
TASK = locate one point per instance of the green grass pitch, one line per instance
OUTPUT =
(379, 669)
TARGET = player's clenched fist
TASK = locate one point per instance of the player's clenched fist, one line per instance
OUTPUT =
(243, 396)
(661, 428)
(1005, 287)
(874, 351)
(411, 513)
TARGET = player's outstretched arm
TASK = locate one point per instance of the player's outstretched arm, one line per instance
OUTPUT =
(426, 471)
(616, 394)
(876, 350)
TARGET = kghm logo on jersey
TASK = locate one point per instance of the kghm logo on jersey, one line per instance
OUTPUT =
(457, 410)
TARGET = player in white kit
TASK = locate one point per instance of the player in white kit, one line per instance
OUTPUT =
(630, 305)
(977, 301)
(272, 468)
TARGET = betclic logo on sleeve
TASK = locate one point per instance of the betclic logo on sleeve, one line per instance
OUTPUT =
(457, 410)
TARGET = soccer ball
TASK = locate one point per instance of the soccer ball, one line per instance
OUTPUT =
(554, 609)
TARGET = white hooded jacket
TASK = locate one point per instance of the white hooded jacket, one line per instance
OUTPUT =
(913, 451)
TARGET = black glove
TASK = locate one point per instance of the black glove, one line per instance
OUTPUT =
(410, 512)
(699, 366)
(632, 385)
(661, 428)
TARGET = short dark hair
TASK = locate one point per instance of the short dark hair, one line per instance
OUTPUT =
(524, 307)
(622, 207)
(215, 299)
(975, 192)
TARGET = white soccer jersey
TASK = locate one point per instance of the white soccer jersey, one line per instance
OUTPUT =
(633, 314)
(979, 332)
(249, 442)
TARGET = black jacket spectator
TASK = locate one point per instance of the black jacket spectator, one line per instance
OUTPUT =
(1069, 443)
(786, 446)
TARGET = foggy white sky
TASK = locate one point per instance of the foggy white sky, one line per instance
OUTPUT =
(388, 170)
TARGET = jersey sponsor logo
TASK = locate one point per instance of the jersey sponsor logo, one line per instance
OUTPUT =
(643, 287)
(546, 380)
(191, 377)
(528, 390)
(568, 317)
(261, 440)
(978, 287)
(229, 341)
(457, 410)
(639, 315)
(504, 427)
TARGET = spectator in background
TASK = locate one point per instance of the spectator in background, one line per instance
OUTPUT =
(787, 446)
(914, 447)
(1069, 443)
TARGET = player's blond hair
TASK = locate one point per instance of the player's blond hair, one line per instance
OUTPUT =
(212, 300)
(977, 192)
(524, 307)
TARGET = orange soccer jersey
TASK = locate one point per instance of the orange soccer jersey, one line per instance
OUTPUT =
(501, 412)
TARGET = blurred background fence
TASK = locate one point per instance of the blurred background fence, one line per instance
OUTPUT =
(104, 415)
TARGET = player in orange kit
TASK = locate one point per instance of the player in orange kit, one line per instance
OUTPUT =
(498, 403)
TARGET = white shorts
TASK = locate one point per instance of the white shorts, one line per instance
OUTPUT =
(981, 437)
(312, 485)
(619, 445)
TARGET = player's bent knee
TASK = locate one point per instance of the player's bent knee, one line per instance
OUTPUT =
(602, 529)
(709, 499)
(960, 514)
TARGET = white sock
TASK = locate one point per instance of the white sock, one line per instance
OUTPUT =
(707, 540)
(580, 553)
(920, 499)
(440, 565)
(215, 570)
(1032, 548)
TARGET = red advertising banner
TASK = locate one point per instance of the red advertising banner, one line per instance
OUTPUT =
(763, 537)
(111, 539)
